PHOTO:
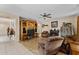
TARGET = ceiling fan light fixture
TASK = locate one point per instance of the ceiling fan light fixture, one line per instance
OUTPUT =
(45, 15)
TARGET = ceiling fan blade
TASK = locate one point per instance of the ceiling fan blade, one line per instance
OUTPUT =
(41, 14)
(49, 17)
(48, 14)
(44, 13)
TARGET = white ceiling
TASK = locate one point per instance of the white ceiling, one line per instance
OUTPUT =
(34, 10)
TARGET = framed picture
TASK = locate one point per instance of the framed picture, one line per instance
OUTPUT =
(54, 24)
(67, 24)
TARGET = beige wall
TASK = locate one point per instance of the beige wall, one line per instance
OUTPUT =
(17, 29)
(4, 24)
(71, 19)
(10, 17)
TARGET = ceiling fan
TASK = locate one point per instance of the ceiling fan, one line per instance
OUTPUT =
(45, 15)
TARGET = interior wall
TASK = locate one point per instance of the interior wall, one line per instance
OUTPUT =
(4, 24)
(16, 21)
(69, 19)
(17, 29)
(3, 29)
(9, 22)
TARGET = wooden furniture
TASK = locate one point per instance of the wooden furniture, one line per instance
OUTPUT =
(28, 28)
(74, 47)
(44, 34)
(74, 41)
(71, 46)
(78, 25)
(23, 34)
(36, 35)
(50, 45)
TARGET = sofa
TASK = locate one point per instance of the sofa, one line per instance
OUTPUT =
(50, 45)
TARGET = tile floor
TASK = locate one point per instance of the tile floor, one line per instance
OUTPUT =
(32, 45)
(13, 48)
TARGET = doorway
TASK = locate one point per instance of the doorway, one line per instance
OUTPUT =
(6, 23)
(28, 29)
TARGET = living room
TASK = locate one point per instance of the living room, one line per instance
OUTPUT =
(49, 30)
